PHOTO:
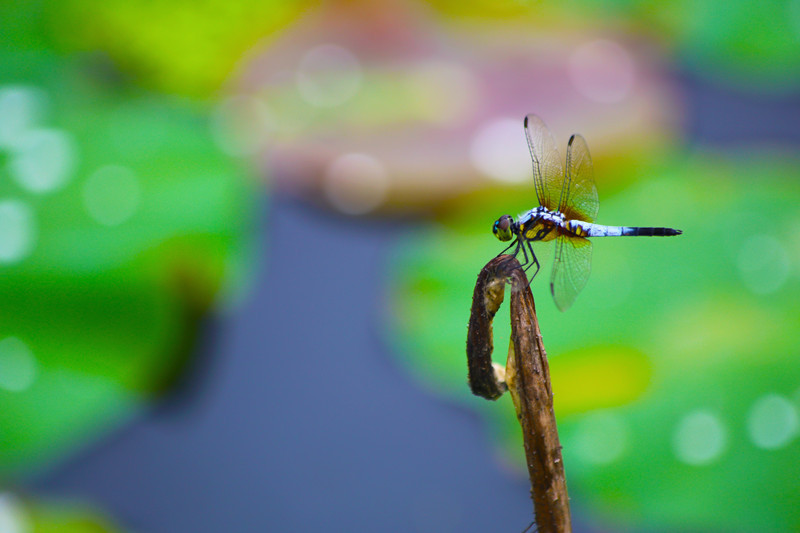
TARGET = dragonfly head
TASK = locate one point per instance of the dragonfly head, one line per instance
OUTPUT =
(504, 227)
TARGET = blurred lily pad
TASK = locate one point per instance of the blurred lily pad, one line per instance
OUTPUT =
(375, 110)
(676, 380)
(122, 224)
(172, 46)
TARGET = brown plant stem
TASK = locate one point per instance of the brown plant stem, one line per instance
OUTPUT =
(527, 377)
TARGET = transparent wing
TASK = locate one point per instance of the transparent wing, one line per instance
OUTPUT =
(548, 174)
(579, 197)
(571, 267)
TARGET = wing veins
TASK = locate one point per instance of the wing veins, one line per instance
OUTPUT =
(547, 170)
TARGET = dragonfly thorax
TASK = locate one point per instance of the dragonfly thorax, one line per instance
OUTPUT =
(533, 225)
(539, 223)
(541, 214)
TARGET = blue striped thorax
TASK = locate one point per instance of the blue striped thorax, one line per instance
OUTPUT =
(538, 224)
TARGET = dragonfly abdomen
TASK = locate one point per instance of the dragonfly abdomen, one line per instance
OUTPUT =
(587, 229)
(651, 232)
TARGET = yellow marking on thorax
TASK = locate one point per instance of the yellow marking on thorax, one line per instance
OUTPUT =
(530, 232)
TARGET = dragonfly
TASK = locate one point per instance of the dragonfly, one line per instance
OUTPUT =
(567, 209)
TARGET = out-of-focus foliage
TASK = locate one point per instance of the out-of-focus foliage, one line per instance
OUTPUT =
(747, 42)
(181, 47)
(121, 224)
(27, 516)
(675, 374)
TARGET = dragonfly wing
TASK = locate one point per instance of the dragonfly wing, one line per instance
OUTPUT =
(548, 174)
(579, 196)
(571, 267)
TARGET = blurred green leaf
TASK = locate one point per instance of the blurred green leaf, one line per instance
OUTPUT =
(135, 225)
(171, 45)
(51, 517)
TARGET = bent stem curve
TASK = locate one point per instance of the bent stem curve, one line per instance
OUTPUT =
(527, 377)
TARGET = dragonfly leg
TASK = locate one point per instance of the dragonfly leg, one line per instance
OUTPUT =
(534, 261)
(516, 242)
(524, 253)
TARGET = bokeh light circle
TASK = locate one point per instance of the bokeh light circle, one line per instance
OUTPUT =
(17, 231)
(43, 160)
(699, 438)
(20, 109)
(13, 517)
(356, 183)
(111, 195)
(17, 366)
(772, 422)
(602, 71)
(500, 151)
(763, 263)
(328, 76)
(601, 437)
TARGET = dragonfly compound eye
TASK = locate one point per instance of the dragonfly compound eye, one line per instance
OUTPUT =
(502, 228)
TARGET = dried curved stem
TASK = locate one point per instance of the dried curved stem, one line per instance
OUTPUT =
(527, 377)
